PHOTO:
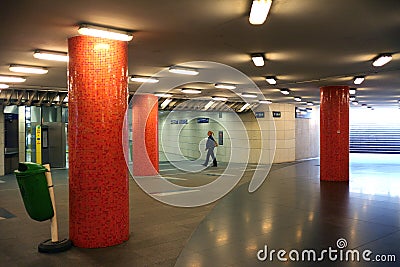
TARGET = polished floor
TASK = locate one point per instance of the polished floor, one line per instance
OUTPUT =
(292, 211)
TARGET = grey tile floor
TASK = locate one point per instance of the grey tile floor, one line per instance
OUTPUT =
(292, 210)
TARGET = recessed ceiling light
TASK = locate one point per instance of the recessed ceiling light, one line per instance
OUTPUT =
(297, 98)
(310, 103)
(352, 98)
(165, 103)
(247, 95)
(144, 79)
(245, 106)
(258, 60)
(359, 79)
(355, 103)
(163, 95)
(364, 105)
(208, 105)
(218, 98)
(265, 101)
(51, 55)
(190, 91)
(225, 86)
(270, 79)
(285, 91)
(352, 91)
(28, 69)
(381, 60)
(183, 70)
(259, 11)
(12, 79)
(4, 86)
(103, 32)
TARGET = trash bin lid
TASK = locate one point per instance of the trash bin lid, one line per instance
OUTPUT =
(29, 168)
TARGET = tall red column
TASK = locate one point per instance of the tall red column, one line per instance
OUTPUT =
(334, 133)
(145, 135)
(98, 175)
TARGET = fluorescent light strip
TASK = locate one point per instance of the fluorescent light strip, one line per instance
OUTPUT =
(298, 99)
(165, 103)
(208, 105)
(103, 32)
(382, 60)
(28, 69)
(50, 55)
(190, 91)
(352, 98)
(247, 95)
(310, 104)
(218, 98)
(259, 11)
(352, 91)
(265, 101)
(12, 79)
(225, 86)
(244, 107)
(183, 70)
(355, 103)
(4, 86)
(359, 79)
(163, 95)
(144, 79)
(285, 91)
(258, 60)
(270, 79)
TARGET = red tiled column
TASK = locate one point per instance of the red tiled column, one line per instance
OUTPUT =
(145, 135)
(98, 175)
(334, 133)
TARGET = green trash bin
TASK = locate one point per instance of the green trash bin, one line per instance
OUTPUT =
(34, 190)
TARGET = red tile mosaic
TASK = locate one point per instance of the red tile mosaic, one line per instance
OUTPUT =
(334, 133)
(145, 135)
(98, 176)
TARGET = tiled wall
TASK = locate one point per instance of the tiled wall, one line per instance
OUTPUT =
(98, 177)
(191, 134)
(285, 133)
(307, 136)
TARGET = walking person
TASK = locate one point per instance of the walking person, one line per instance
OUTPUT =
(210, 145)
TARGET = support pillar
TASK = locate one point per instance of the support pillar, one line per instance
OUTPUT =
(334, 133)
(145, 135)
(98, 175)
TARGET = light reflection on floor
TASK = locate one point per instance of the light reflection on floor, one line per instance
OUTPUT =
(375, 174)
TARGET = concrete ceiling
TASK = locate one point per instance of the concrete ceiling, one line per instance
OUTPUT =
(307, 43)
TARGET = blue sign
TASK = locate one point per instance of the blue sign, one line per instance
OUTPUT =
(203, 120)
(260, 114)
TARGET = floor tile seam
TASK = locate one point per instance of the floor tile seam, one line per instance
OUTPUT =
(381, 224)
(379, 238)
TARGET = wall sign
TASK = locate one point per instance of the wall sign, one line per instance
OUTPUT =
(260, 114)
(276, 114)
(203, 120)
